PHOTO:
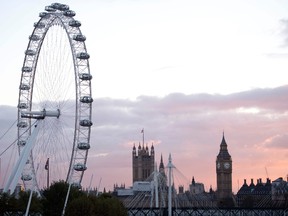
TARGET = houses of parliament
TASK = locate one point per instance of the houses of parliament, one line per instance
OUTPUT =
(143, 166)
(272, 193)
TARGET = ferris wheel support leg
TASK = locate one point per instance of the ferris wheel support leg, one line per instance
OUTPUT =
(66, 200)
(14, 177)
(29, 203)
(170, 166)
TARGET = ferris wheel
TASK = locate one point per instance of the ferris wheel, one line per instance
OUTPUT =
(55, 99)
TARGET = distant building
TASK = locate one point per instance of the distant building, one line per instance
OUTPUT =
(255, 196)
(143, 162)
(280, 193)
(196, 188)
(224, 176)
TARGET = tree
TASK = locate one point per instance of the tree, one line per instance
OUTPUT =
(81, 206)
(107, 205)
(54, 197)
(22, 202)
(104, 205)
(7, 202)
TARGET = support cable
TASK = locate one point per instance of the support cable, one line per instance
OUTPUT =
(16, 140)
(8, 129)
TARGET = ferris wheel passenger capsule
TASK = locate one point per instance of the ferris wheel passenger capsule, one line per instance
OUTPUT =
(26, 69)
(86, 99)
(30, 52)
(39, 25)
(83, 146)
(69, 13)
(42, 14)
(26, 177)
(85, 76)
(50, 9)
(24, 87)
(86, 123)
(80, 167)
(21, 143)
(76, 185)
(74, 23)
(55, 6)
(58, 6)
(83, 55)
(22, 124)
(34, 37)
(22, 105)
(63, 7)
(79, 37)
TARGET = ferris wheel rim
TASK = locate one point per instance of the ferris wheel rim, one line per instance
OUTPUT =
(59, 14)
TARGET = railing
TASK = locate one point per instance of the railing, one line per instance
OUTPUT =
(209, 212)
(19, 213)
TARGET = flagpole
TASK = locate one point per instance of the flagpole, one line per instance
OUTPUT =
(143, 135)
(47, 168)
(48, 178)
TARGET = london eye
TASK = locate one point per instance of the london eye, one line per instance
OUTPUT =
(54, 97)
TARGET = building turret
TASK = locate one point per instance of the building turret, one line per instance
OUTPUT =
(193, 181)
(134, 151)
(152, 150)
(161, 166)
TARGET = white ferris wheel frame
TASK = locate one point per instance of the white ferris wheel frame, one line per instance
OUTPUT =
(57, 14)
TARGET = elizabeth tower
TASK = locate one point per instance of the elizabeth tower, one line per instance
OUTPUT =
(224, 175)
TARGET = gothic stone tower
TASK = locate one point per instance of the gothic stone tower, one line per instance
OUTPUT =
(143, 162)
(224, 176)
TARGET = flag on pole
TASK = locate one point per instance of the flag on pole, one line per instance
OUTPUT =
(142, 131)
(47, 164)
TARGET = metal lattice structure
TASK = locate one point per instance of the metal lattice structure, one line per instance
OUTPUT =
(55, 76)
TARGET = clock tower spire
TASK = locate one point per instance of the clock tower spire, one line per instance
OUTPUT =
(224, 175)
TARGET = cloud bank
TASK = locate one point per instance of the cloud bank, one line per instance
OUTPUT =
(190, 127)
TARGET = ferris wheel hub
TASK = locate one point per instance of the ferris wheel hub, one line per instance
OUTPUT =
(40, 114)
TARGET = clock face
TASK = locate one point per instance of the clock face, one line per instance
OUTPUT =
(218, 165)
(226, 165)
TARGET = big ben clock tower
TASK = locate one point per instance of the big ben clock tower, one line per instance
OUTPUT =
(224, 176)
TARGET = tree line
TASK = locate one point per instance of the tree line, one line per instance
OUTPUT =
(52, 199)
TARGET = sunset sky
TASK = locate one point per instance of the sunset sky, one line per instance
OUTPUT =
(185, 71)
